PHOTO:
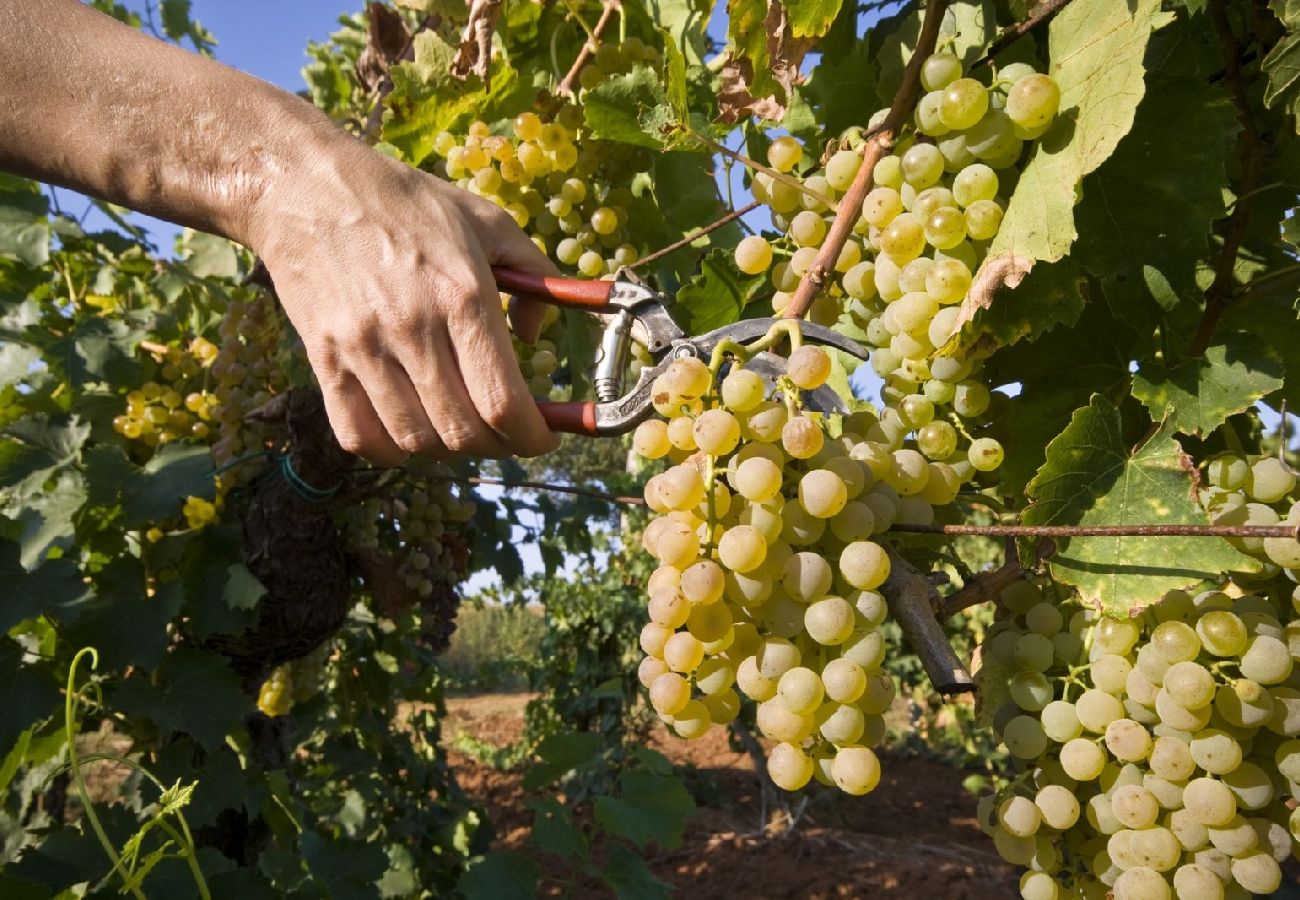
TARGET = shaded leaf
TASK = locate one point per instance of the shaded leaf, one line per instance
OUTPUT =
(559, 754)
(1091, 478)
(554, 830)
(500, 876)
(1202, 393)
(346, 869)
(630, 877)
(31, 695)
(648, 807)
(615, 108)
(54, 587)
(196, 693)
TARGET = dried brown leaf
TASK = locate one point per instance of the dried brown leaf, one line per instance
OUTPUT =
(475, 51)
(785, 54)
(387, 38)
(997, 272)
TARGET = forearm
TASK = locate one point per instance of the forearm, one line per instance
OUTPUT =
(91, 104)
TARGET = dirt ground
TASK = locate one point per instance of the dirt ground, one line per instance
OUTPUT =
(913, 838)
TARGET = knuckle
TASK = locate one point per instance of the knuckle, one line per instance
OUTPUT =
(351, 442)
(419, 441)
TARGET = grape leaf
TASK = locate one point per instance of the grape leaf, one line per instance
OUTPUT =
(648, 807)
(195, 693)
(500, 875)
(346, 869)
(559, 754)
(24, 232)
(717, 295)
(209, 256)
(1271, 318)
(614, 109)
(1203, 392)
(554, 830)
(628, 875)
(1282, 64)
(1091, 478)
(1096, 50)
(31, 695)
(55, 586)
(47, 518)
(157, 490)
(36, 446)
(811, 18)
(1127, 219)
(1050, 295)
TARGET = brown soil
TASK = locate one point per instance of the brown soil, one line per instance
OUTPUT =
(913, 838)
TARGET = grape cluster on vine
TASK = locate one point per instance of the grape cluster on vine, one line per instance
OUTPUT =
(1158, 755)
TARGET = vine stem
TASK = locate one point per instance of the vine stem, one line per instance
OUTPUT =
(1219, 295)
(1037, 16)
(541, 486)
(878, 144)
(988, 586)
(565, 87)
(908, 594)
(70, 731)
(696, 234)
(755, 165)
(1068, 531)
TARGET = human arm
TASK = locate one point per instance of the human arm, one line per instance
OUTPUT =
(384, 270)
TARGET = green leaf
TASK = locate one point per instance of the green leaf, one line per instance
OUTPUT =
(1091, 478)
(1273, 320)
(47, 518)
(98, 349)
(1282, 64)
(628, 875)
(209, 256)
(243, 590)
(32, 448)
(1203, 393)
(1096, 50)
(559, 754)
(426, 98)
(1138, 213)
(195, 693)
(554, 830)
(835, 86)
(717, 296)
(1050, 295)
(648, 807)
(811, 18)
(31, 695)
(53, 587)
(159, 488)
(346, 869)
(614, 109)
(24, 232)
(675, 78)
(500, 876)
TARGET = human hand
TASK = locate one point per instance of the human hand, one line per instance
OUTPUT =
(385, 272)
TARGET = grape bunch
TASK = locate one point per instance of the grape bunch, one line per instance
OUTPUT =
(901, 277)
(1158, 754)
(562, 191)
(767, 572)
(178, 407)
(1258, 490)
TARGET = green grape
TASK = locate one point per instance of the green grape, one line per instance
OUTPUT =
(983, 219)
(985, 454)
(784, 153)
(808, 229)
(1269, 480)
(974, 183)
(922, 165)
(971, 399)
(1033, 101)
(964, 103)
(940, 70)
(841, 169)
(946, 228)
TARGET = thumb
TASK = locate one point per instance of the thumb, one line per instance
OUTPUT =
(506, 245)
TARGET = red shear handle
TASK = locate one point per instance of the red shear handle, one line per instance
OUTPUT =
(574, 292)
(571, 417)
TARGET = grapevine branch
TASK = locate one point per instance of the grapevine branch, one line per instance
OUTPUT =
(565, 87)
(1219, 295)
(696, 234)
(988, 585)
(910, 598)
(1068, 531)
(1044, 11)
(541, 486)
(878, 144)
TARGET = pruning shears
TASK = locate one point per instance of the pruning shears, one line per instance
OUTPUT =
(638, 312)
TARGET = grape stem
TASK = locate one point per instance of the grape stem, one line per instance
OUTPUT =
(727, 347)
(908, 594)
(696, 234)
(565, 87)
(880, 142)
(757, 166)
(1044, 11)
(989, 585)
